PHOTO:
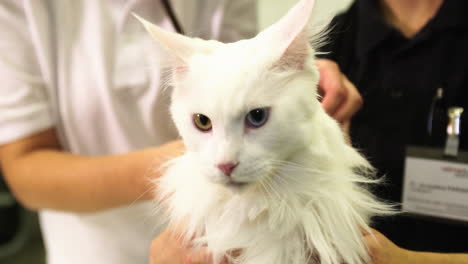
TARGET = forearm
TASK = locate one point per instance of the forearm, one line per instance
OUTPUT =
(62, 181)
(384, 251)
(57, 180)
(436, 258)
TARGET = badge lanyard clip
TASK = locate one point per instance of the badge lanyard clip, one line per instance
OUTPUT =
(453, 131)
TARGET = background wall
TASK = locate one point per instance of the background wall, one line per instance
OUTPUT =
(272, 10)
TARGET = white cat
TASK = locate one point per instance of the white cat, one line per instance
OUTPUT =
(266, 170)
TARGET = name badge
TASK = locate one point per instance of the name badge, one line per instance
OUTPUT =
(435, 185)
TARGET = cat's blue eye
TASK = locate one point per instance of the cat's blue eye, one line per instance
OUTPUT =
(257, 117)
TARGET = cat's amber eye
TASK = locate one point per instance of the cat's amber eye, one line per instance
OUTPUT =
(257, 117)
(202, 122)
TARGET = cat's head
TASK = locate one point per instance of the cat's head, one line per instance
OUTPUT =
(243, 108)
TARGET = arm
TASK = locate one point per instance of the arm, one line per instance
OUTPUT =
(437, 258)
(42, 176)
(384, 251)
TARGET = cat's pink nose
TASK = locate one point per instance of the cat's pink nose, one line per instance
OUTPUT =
(227, 168)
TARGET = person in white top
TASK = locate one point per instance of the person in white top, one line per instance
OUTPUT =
(83, 119)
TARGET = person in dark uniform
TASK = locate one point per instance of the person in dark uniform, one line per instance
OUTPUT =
(401, 55)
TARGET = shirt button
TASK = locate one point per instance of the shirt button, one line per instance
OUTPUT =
(396, 93)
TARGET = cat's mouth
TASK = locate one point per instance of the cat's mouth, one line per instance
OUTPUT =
(236, 186)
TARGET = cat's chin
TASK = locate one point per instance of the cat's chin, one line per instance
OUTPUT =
(236, 187)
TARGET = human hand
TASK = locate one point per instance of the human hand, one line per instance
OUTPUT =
(384, 251)
(341, 99)
(168, 249)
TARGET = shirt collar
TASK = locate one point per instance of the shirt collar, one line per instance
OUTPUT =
(373, 30)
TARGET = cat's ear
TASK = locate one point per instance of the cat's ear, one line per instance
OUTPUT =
(179, 46)
(290, 36)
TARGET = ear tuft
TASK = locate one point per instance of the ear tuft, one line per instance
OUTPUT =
(181, 48)
(295, 55)
(177, 44)
(290, 35)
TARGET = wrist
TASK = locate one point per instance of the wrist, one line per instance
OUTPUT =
(149, 166)
(142, 174)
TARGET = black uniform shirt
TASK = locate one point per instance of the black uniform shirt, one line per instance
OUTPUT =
(398, 79)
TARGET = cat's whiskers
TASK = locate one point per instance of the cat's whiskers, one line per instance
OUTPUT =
(269, 184)
(288, 164)
(291, 168)
(276, 183)
(264, 189)
(294, 165)
(283, 170)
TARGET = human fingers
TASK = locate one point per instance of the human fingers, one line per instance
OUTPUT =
(383, 251)
(334, 96)
(331, 86)
(203, 256)
(352, 103)
(165, 249)
(199, 256)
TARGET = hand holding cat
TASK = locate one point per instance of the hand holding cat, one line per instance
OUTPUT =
(341, 99)
(167, 249)
(384, 251)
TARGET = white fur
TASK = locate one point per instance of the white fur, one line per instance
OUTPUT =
(305, 201)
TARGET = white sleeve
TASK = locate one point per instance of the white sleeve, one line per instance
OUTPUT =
(240, 21)
(24, 105)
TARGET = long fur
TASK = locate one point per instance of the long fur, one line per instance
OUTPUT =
(307, 199)
(315, 205)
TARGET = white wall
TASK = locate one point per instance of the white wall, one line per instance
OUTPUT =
(272, 10)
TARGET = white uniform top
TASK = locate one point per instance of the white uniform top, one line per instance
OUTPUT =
(90, 70)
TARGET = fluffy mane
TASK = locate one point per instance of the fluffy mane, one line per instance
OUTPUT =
(298, 192)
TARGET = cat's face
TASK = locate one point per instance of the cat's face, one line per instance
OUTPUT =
(243, 108)
(242, 115)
